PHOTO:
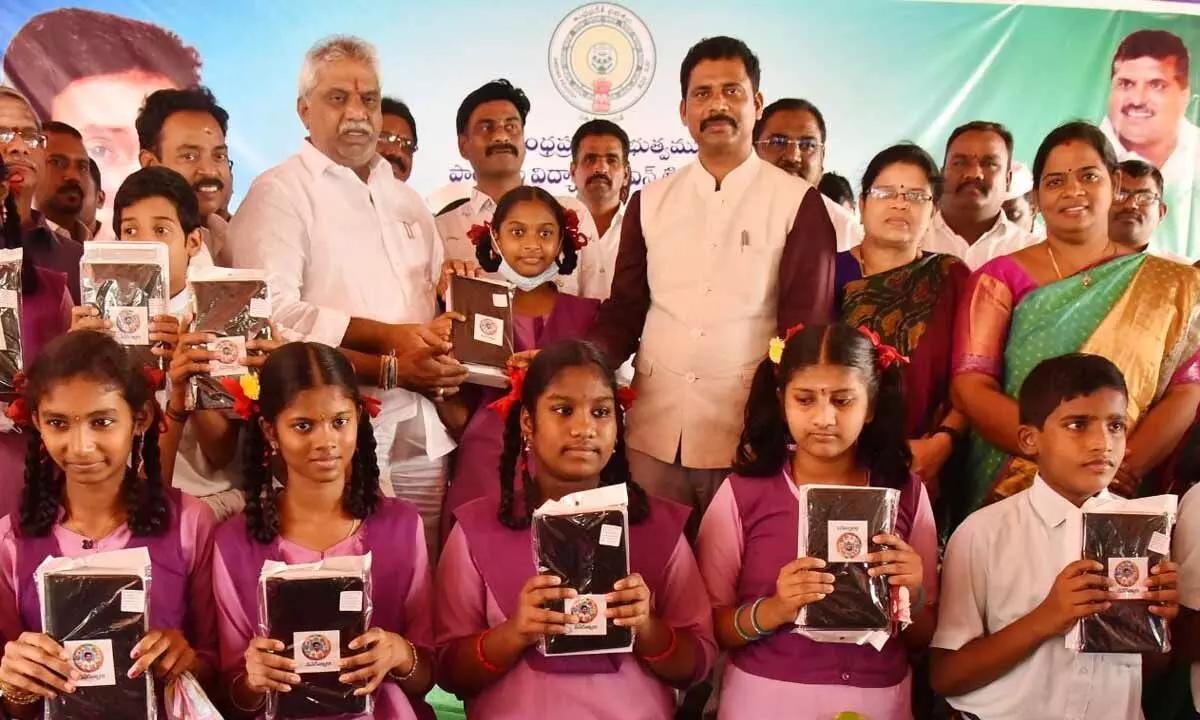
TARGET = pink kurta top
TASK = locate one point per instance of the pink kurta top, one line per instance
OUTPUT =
(196, 526)
(466, 607)
(719, 549)
(237, 625)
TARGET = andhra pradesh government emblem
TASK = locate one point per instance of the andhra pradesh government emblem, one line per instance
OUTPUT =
(601, 58)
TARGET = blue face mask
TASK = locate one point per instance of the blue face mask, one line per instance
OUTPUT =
(524, 283)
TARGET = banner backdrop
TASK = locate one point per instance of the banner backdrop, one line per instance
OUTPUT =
(880, 70)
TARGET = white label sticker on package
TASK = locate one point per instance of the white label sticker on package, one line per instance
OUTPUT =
(500, 300)
(590, 609)
(1160, 543)
(260, 308)
(610, 535)
(93, 659)
(848, 541)
(1127, 577)
(489, 329)
(229, 353)
(318, 651)
(9, 298)
(133, 601)
(350, 601)
(131, 325)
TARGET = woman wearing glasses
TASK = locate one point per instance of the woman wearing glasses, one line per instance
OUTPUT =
(1079, 291)
(907, 296)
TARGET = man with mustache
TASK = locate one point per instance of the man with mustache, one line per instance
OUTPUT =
(971, 223)
(791, 135)
(491, 137)
(600, 171)
(1147, 120)
(1137, 207)
(398, 139)
(353, 261)
(23, 145)
(62, 192)
(93, 199)
(185, 130)
(715, 260)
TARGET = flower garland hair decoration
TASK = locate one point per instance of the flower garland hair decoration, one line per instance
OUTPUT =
(887, 355)
(571, 231)
(18, 411)
(480, 233)
(777, 344)
(244, 391)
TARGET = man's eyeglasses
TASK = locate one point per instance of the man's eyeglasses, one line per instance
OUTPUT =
(779, 143)
(32, 138)
(1141, 198)
(916, 197)
(404, 143)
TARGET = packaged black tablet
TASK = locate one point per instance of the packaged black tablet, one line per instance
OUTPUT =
(584, 539)
(837, 525)
(484, 343)
(316, 610)
(95, 607)
(1128, 538)
(129, 283)
(235, 306)
(11, 361)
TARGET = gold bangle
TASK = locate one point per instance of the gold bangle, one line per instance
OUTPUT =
(17, 696)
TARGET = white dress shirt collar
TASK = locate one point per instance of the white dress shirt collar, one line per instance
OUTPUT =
(481, 203)
(1053, 508)
(318, 163)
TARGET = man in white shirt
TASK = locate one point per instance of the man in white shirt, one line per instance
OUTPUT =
(970, 223)
(1149, 95)
(185, 130)
(791, 135)
(352, 257)
(600, 171)
(491, 137)
(715, 260)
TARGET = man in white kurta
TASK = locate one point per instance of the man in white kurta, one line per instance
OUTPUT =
(714, 261)
(353, 258)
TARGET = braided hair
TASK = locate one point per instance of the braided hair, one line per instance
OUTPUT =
(96, 357)
(882, 447)
(290, 370)
(551, 361)
(485, 251)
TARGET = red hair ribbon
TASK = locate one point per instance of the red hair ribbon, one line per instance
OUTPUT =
(480, 233)
(503, 406)
(155, 378)
(792, 331)
(372, 405)
(243, 406)
(18, 410)
(888, 355)
(626, 397)
(571, 231)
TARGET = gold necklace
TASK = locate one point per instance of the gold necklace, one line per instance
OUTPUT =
(1087, 276)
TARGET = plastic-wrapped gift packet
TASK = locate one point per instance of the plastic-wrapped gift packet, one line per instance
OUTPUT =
(129, 283)
(11, 361)
(316, 609)
(234, 305)
(1128, 537)
(95, 607)
(484, 343)
(583, 539)
(837, 524)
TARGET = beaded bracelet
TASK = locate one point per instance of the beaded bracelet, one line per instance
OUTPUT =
(175, 415)
(665, 653)
(481, 657)
(754, 617)
(16, 696)
(412, 670)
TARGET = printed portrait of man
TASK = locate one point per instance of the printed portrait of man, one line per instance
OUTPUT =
(92, 70)
(1149, 96)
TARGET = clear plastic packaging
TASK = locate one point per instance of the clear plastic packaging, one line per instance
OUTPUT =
(1128, 537)
(837, 524)
(11, 361)
(95, 607)
(234, 305)
(484, 343)
(185, 699)
(584, 539)
(316, 609)
(129, 283)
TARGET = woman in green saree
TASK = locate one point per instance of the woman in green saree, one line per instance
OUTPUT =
(1076, 292)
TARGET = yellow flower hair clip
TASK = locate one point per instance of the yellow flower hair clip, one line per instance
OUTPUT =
(249, 385)
(777, 345)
